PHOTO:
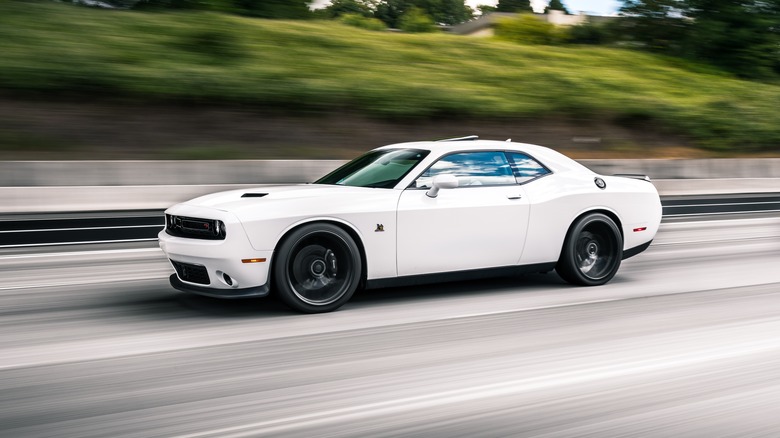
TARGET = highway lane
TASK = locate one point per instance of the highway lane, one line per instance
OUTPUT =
(683, 342)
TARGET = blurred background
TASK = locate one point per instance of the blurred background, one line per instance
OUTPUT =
(265, 79)
(113, 110)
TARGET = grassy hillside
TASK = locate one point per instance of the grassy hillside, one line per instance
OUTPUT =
(58, 51)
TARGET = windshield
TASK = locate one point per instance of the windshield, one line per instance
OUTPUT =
(381, 168)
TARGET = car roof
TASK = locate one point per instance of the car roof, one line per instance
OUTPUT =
(549, 157)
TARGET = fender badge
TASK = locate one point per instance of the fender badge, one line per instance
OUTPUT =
(379, 228)
(600, 183)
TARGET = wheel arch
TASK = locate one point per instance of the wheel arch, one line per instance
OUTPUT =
(567, 265)
(346, 227)
(606, 212)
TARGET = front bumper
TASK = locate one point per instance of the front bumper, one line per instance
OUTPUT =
(259, 291)
(229, 267)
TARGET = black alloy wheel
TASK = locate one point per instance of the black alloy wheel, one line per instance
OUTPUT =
(317, 268)
(592, 251)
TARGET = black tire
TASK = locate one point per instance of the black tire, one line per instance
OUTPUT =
(592, 251)
(317, 268)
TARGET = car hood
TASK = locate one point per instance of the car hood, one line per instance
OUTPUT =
(237, 200)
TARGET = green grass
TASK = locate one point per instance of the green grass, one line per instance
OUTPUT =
(49, 49)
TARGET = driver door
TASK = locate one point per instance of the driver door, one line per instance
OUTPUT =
(480, 224)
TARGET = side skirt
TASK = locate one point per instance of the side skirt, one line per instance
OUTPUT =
(444, 277)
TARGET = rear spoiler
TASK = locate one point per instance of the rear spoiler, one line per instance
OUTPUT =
(634, 176)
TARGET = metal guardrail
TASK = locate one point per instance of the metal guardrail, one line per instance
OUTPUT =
(30, 230)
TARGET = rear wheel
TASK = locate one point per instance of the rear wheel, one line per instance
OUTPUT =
(317, 268)
(592, 251)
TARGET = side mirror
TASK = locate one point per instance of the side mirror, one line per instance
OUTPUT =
(444, 181)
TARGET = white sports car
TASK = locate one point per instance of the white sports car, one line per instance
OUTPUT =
(411, 213)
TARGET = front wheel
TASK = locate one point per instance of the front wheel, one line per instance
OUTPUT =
(317, 268)
(592, 251)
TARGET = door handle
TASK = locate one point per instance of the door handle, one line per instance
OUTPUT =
(514, 196)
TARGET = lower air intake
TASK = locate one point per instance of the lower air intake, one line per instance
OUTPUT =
(191, 273)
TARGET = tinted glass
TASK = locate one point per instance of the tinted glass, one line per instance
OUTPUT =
(526, 168)
(382, 168)
(471, 169)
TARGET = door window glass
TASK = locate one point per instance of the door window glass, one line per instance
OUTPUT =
(483, 168)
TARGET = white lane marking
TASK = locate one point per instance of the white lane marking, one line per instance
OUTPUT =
(736, 239)
(721, 204)
(719, 213)
(112, 279)
(512, 387)
(80, 253)
(36, 230)
(87, 242)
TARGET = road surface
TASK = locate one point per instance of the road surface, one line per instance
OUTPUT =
(684, 342)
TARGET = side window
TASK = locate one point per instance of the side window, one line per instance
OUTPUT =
(526, 168)
(487, 168)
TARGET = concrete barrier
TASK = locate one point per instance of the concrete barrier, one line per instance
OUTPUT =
(37, 187)
(137, 173)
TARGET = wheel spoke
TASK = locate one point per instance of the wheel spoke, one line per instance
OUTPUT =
(594, 254)
(316, 273)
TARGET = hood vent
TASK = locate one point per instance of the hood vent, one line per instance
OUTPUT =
(254, 195)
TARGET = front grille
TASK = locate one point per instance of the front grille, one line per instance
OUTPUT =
(191, 273)
(195, 228)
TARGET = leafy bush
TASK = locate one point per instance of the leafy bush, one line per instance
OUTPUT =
(416, 21)
(363, 22)
(588, 33)
(527, 29)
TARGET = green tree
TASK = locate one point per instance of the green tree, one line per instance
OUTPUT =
(589, 33)
(416, 20)
(556, 5)
(440, 11)
(659, 25)
(514, 6)
(218, 5)
(485, 9)
(446, 11)
(286, 9)
(390, 11)
(337, 8)
(742, 36)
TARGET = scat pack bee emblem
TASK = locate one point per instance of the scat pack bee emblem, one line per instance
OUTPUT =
(379, 228)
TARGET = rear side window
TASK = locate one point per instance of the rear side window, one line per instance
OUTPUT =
(526, 168)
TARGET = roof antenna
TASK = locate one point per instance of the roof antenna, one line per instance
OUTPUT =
(508, 139)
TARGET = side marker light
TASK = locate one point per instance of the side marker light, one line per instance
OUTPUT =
(636, 230)
(252, 260)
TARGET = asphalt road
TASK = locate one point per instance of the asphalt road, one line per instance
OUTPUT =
(684, 342)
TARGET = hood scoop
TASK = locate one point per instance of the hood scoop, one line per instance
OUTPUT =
(254, 195)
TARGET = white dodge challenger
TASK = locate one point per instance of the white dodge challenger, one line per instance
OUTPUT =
(411, 213)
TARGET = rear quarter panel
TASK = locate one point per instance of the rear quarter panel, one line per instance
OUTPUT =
(559, 199)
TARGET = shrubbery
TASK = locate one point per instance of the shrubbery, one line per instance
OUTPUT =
(362, 22)
(415, 20)
(53, 50)
(527, 29)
